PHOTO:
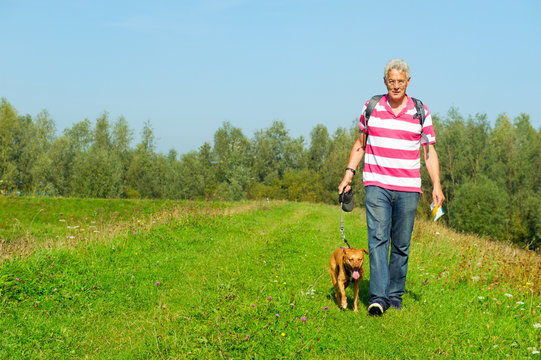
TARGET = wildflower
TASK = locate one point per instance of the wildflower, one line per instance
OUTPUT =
(283, 334)
(277, 315)
(16, 279)
(520, 303)
(537, 325)
(481, 297)
(508, 295)
(303, 319)
(247, 336)
(326, 308)
(253, 305)
(163, 307)
(269, 298)
(157, 283)
(285, 230)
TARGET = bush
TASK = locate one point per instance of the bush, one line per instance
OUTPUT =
(480, 208)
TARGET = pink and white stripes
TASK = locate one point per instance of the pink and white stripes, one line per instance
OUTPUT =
(392, 160)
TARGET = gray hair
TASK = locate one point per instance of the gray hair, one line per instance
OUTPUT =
(397, 64)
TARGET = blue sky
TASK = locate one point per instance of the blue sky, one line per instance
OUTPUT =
(188, 66)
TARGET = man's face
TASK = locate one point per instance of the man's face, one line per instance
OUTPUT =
(396, 83)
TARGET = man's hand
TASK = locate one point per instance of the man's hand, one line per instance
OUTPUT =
(437, 196)
(345, 184)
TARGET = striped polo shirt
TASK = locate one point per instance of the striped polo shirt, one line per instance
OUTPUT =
(393, 158)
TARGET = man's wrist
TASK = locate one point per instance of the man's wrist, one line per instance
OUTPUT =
(351, 169)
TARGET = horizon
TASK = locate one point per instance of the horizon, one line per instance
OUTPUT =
(189, 67)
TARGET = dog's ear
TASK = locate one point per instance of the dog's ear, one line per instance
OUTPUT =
(364, 251)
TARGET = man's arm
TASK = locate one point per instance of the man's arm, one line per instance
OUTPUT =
(355, 157)
(433, 167)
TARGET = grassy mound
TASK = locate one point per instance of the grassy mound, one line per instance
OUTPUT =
(160, 279)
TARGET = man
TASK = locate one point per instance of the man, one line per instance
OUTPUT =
(392, 181)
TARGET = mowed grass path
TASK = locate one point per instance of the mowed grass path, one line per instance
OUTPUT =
(250, 281)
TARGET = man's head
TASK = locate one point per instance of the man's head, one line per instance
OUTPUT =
(396, 78)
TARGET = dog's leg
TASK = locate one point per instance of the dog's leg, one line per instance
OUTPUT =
(333, 269)
(355, 294)
(344, 299)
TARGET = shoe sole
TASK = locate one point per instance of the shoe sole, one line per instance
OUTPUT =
(375, 309)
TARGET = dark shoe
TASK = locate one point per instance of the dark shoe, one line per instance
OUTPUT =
(396, 304)
(376, 308)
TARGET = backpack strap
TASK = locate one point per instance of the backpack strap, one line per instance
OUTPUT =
(419, 107)
(421, 115)
(370, 107)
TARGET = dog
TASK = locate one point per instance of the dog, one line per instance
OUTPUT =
(346, 267)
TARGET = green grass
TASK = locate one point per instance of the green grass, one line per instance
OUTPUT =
(249, 281)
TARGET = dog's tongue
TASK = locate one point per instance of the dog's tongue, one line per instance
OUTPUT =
(356, 275)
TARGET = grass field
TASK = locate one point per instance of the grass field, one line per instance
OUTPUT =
(118, 279)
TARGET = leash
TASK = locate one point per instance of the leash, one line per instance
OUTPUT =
(342, 225)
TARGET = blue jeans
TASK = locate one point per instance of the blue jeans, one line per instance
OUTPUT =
(389, 216)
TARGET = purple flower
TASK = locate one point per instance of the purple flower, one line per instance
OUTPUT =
(16, 279)
(303, 319)
(269, 298)
(326, 308)
(277, 315)
(253, 305)
(157, 283)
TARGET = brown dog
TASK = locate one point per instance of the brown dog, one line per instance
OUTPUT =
(347, 267)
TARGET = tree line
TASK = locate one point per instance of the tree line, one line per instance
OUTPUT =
(490, 174)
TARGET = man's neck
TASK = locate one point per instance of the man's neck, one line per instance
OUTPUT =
(397, 104)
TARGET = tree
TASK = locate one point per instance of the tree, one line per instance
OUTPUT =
(10, 141)
(275, 152)
(233, 163)
(318, 150)
(481, 208)
(333, 166)
(142, 177)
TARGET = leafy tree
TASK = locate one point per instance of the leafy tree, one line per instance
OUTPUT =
(142, 177)
(11, 140)
(481, 208)
(320, 144)
(233, 165)
(302, 185)
(333, 166)
(275, 152)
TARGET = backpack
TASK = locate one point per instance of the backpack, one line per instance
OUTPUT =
(419, 114)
